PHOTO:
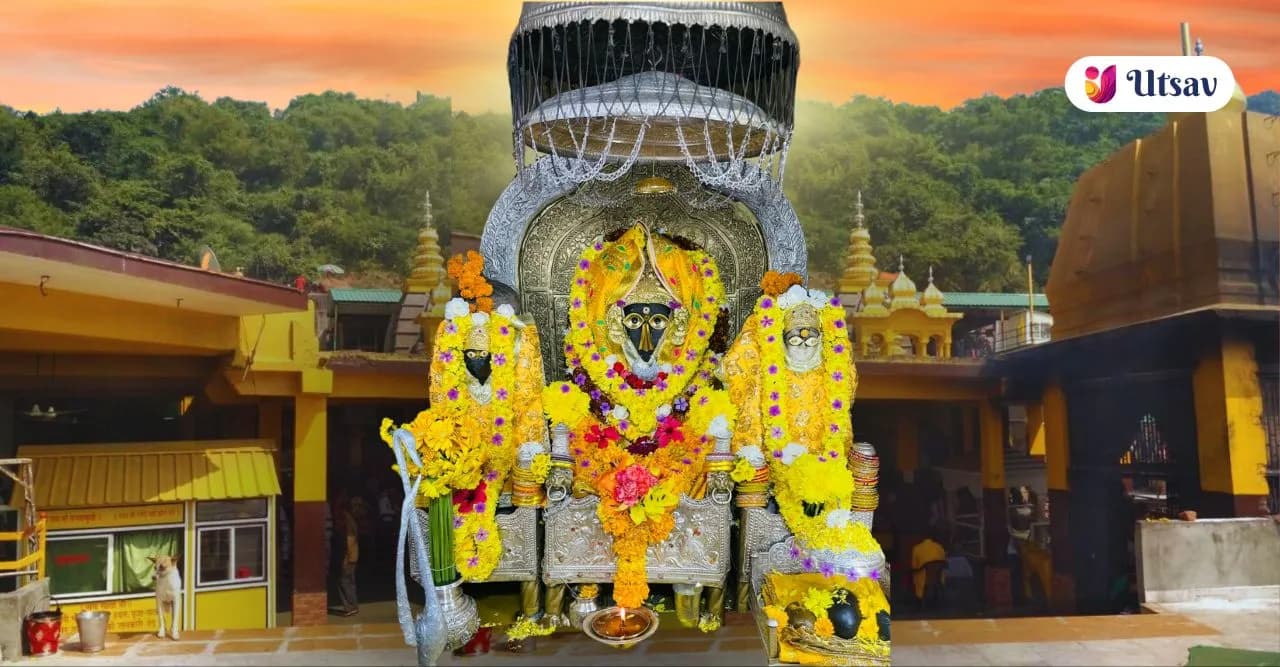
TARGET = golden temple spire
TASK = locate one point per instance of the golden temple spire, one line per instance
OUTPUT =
(932, 298)
(902, 291)
(428, 275)
(860, 265)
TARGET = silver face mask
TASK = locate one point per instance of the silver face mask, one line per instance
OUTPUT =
(804, 348)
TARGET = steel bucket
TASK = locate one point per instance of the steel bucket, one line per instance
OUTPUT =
(93, 630)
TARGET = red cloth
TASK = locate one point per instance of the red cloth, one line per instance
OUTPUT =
(300, 283)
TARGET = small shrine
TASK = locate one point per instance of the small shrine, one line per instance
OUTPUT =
(900, 323)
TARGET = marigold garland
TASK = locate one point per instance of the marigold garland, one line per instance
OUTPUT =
(466, 270)
(639, 444)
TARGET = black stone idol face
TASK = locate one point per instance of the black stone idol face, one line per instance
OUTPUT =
(477, 362)
(645, 324)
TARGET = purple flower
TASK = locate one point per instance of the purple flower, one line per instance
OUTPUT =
(766, 321)
(453, 394)
(702, 333)
(584, 265)
(585, 463)
(482, 535)
(473, 561)
(777, 453)
(598, 246)
(822, 459)
(827, 569)
(500, 358)
(703, 399)
(446, 356)
(773, 395)
(502, 394)
(690, 355)
(594, 394)
(504, 330)
(640, 392)
(624, 424)
(595, 356)
(564, 388)
(835, 301)
(839, 324)
(577, 303)
(497, 438)
(776, 432)
(772, 338)
(766, 303)
(807, 564)
(457, 522)
(451, 328)
(774, 410)
(479, 508)
(606, 406)
(711, 299)
(837, 376)
(678, 369)
(579, 380)
(833, 454)
(773, 369)
(581, 281)
(686, 461)
(610, 373)
(681, 404)
(491, 475)
(582, 325)
(708, 273)
(499, 421)
(620, 303)
(835, 428)
(838, 349)
(837, 404)
(794, 553)
(661, 385)
(875, 575)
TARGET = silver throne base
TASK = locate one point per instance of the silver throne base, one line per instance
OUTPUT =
(518, 531)
(578, 551)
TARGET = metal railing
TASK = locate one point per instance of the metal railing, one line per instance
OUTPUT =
(31, 563)
(978, 345)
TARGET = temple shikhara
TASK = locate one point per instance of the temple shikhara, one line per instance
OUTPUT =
(629, 408)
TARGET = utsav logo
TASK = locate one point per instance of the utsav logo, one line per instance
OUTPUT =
(1150, 83)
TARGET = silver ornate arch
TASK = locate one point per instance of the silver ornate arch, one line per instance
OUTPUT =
(527, 196)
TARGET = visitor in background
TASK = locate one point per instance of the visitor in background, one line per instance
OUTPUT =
(388, 514)
(350, 558)
(928, 565)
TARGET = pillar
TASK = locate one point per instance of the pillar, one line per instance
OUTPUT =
(1231, 441)
(995, 531)
(310, 483)
(1057, 461)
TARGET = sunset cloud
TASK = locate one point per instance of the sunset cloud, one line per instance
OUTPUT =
(92, 54)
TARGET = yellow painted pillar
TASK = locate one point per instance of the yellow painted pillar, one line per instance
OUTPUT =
(1229, 433)
(1053, 436)
(995, 528)
(1035, 429)
(991, 437)
(310, 482)
(908, 443)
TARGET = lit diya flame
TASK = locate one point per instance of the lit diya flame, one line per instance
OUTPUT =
(621, 627)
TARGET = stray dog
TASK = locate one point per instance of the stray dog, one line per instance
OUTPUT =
(168, 593)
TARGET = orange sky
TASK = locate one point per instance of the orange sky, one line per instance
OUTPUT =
(90, 54)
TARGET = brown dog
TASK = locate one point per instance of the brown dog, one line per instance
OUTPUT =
(168, 593)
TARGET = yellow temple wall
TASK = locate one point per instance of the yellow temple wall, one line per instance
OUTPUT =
(1229, 432)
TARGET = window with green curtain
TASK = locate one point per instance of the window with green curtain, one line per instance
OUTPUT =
(134, 571)
(78, 565)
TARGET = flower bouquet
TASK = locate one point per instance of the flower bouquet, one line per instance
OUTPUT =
(453, 458)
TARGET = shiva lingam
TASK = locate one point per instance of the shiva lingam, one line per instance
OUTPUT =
(619, 627)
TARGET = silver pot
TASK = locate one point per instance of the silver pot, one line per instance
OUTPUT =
(461, 617)
(581, 607)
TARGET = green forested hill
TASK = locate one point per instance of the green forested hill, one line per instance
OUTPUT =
(337, 179)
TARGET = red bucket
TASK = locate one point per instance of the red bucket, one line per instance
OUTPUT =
(44, 630)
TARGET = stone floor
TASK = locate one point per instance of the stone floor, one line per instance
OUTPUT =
(1161, 638)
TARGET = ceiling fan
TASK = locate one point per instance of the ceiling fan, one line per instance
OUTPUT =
(51, 414)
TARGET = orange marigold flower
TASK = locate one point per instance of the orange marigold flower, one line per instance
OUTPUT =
(775, 283)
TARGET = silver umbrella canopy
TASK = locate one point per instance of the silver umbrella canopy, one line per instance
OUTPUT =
(597, 87)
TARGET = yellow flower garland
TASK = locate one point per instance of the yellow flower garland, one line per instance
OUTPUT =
(477, 547)
(634, 527)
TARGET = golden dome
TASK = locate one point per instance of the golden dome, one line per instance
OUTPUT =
(932, 298)
(428, 275)
(873, 301)
(903, 291)
(860, 265)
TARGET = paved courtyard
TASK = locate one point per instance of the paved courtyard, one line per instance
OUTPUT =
(1145, 639)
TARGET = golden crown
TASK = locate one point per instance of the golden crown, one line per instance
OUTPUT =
(802, 315)
(649, 289)
(477, 338)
